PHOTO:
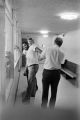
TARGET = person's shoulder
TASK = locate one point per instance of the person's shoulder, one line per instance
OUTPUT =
(54, 47)
(62, 52)
(46, 48)
(34, 45)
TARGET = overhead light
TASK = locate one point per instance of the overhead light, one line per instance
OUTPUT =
(61, 35)
(44, 32)
(69, 15)
(45, 35)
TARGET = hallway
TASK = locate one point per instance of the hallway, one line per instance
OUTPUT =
(43, 21)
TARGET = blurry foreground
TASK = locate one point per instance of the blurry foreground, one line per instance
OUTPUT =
(27, 112)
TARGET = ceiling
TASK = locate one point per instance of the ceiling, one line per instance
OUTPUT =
(35, 15)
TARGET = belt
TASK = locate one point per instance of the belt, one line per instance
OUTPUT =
(32, 65)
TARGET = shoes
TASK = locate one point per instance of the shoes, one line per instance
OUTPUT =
(32, 95)
(26, 99)
(23, 94)
(44, 106)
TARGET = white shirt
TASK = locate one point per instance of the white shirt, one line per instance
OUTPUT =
(24, 52)
(53, 57)
(32, 55)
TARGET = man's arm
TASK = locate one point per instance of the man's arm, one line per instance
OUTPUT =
(38, 50)
(42, 56)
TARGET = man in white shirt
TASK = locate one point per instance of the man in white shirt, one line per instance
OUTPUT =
(51, 74)
(33, 66)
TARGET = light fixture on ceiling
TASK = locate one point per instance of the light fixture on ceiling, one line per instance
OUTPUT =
(69, 15)
(44, 31)
(45, 35)
(61, 35)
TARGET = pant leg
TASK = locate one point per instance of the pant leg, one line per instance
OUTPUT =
(45, 88)
(34, 88)
(31, 90)
(30, 79)
(34, 81)
(54, 84)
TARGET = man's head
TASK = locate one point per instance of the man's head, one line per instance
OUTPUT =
(30, 41)
(25, 46)
(58, 41)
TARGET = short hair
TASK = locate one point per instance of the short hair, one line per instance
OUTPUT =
(31, 39)
(58, 41)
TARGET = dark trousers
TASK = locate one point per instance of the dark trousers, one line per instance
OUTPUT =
(32, 81)
(50, 78)
(23, 60)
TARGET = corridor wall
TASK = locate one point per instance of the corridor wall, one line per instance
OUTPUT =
(71, 46)
(9, 38)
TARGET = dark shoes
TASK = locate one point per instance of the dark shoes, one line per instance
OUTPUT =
(25, 98)
(23, 94)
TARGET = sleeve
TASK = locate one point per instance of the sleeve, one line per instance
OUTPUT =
(34, 47)
(43, 54)
(37, 49)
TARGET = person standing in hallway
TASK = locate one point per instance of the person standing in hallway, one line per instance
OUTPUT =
(51, 73)
(33, 66)
(24, 50)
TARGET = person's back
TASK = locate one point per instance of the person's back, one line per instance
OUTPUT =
(51, 73)
(54, 57)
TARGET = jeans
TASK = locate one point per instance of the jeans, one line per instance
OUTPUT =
(32, 81)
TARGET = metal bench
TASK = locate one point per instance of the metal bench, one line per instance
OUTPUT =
(69, 73)
(69, 69)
